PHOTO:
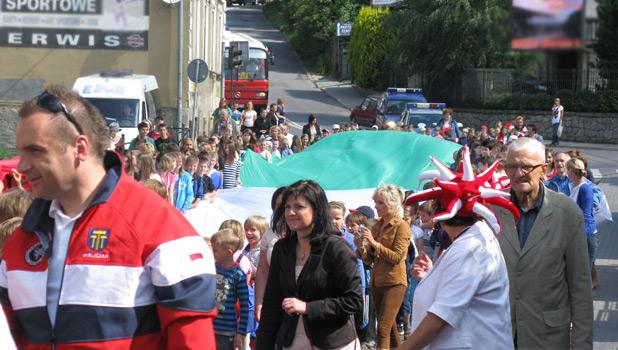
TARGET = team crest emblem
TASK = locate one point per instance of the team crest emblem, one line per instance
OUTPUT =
(98, 238)
(35, 254)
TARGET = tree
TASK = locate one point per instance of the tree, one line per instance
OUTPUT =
(314, 23)
(606, 47)
(439, 38)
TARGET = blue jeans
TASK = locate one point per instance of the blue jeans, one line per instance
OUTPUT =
(555, 139)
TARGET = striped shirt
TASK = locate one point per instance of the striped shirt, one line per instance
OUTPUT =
(231, 287)
(231, 174)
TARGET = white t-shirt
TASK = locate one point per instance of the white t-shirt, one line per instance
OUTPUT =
(468, 287)
(289, 137)
(268, 242)
(556, 113)
(249, 118)
(417, 233)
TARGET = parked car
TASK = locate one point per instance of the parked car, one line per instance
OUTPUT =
(422, 114)
(389, 106)
(528, 84)
(366, 113)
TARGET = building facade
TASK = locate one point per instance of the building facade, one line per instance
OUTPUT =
(44, 43)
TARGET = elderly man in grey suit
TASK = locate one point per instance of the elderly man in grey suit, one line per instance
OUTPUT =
(546, 257)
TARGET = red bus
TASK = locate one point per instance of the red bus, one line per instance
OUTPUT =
(249, 81)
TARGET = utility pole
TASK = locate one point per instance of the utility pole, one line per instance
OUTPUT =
(180, 69)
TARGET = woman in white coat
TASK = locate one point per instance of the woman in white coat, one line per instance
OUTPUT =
(462, 300)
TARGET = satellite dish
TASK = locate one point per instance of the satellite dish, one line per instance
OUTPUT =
(171, 2)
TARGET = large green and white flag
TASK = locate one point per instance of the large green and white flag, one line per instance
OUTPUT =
(352, 160)
(349, 166)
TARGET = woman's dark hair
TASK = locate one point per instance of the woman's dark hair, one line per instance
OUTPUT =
(455, 220)
(312, 117)
(314, 194)
(273, 202)
(276, 194)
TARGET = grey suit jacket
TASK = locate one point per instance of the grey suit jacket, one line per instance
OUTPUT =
(549, 277)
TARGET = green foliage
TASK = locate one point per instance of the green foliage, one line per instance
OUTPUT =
(7, 153)
(370, 43)
(605, 101)
(310, 26)
(606, 47)
(441, 37)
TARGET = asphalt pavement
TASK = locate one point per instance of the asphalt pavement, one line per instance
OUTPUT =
(288, 79)
(332, 100)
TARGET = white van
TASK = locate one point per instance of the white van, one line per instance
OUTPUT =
(121, 97)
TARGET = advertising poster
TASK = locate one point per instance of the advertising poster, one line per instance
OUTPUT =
(547, 24)
(75, 24)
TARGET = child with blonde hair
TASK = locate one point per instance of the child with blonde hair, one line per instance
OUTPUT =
(14, 203)
(156, 186)
(231, 327)
(255, 227)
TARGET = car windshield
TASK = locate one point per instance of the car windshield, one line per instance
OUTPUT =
(429, 119)
(123, 111)
(395, 107)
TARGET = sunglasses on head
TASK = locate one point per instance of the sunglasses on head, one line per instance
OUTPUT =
(52, 103)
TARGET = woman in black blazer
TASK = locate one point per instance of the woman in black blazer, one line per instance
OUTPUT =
(313, 288)
(312, 128)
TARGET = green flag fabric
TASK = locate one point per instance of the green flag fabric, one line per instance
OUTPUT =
(352, 160)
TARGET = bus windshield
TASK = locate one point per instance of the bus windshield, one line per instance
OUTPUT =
(123, 111)
(255, 68)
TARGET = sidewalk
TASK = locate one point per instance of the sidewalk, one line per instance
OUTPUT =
(344, 92)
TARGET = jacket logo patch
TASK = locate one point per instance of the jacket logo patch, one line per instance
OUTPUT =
(98, 238)
(35, 254)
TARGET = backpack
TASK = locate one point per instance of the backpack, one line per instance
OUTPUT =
(600, 207)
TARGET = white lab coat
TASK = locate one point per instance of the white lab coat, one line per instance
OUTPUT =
(468, 287)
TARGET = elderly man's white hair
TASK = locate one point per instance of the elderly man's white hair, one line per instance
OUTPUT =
(527, 143)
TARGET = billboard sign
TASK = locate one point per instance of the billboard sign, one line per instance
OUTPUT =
(75, 24)
(547, 24)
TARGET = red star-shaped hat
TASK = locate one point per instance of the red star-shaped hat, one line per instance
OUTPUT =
(464, 194)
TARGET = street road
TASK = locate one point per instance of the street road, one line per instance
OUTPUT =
(287, 78)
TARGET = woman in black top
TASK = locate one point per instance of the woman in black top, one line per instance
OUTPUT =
(312, 128)
(313, 287)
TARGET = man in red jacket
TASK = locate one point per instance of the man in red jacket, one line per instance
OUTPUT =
(100, 262)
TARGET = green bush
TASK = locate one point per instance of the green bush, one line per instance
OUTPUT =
(369, 44)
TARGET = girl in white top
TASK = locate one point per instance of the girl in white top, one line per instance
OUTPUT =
(248, 116)
(267, 244)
